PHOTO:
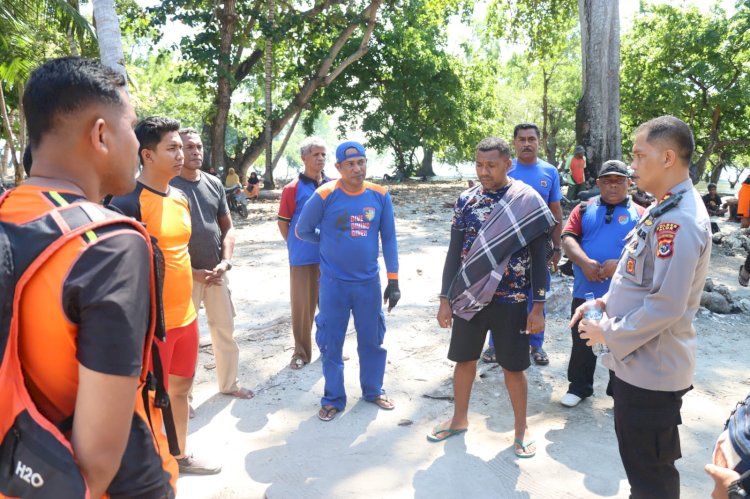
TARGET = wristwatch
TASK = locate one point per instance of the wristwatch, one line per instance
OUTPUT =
(735, 490)
(556, 249)
(229, 264)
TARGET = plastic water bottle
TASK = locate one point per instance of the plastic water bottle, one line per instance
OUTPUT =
(595, 313)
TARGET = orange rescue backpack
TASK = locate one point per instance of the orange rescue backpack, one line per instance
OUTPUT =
(36, 458)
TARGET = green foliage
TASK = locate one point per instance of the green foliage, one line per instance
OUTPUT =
(541, 26)
(155, 92)
(541, 78)
(692, 65)
(32, 31)
(302, 39)
(409, 94)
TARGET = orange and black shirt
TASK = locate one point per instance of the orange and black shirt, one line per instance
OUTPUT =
(166, 216)
(88, 304)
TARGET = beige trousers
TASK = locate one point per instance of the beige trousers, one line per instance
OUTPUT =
(304, 281)
(217, 302)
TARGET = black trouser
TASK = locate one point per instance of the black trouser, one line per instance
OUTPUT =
(582, 362)
(747, 262)
(646, 426)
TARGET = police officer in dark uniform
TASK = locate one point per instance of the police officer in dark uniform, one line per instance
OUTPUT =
(652, 301)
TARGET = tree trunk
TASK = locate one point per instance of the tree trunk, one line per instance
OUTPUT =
(72, 45)
(699, 167)
(400, 160)
(224, 87)
(21, 122)
(108, 33)
(554, 130)
(4, 161)
(426, 169)
(545, 116)
(284, 143)
(9, 142)
(598, 112)
(716, 172)
(268, 173)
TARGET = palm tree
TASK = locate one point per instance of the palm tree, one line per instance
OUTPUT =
(110, 40)
(28, 33)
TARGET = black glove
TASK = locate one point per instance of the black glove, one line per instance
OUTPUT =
(391, 294)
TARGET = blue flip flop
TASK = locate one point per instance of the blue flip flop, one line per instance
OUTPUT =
(438, 435)
(522, 451)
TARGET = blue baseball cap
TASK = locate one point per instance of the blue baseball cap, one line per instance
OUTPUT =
(341, 154)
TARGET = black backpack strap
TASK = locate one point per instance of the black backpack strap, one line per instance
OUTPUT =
(161, 400)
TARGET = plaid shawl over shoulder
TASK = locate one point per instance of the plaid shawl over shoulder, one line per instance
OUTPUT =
(517, 219)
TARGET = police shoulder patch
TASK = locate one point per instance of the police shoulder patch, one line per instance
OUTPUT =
(665, 234)
(630, 265)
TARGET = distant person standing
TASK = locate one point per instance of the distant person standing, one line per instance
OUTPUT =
(211, 248)
(575, 165)
(348, 218)
(544, 179)
(304, 256)
(593, 239)
(650, 306)
(743, 203)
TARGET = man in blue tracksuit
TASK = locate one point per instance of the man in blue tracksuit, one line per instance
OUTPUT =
(346, 217)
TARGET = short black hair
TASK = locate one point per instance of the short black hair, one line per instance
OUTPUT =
(494, 144)
(673, 130)
(711, 186)
(27, 160)
(189, 131)
(149, 131)
(526, 126)
(67, 85)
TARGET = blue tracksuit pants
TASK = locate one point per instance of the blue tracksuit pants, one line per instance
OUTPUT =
(363, 299)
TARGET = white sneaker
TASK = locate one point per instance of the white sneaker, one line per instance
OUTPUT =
(570, 400)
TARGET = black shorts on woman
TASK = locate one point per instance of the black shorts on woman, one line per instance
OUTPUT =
(507, 324)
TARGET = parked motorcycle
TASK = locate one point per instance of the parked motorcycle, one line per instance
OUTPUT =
(237, 200)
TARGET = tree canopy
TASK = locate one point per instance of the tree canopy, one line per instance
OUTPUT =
(681, 61)
(395, 72)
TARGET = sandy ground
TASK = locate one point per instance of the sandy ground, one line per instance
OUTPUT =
(274, 445)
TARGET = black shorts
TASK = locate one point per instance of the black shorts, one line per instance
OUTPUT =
(505, 321)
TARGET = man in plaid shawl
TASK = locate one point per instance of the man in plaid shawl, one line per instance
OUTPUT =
(497, 252)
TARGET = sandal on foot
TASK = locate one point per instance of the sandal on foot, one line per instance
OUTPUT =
(519, 448)
(327, 413)
(439, 434)
(297, 363)
(488, 356)
(242, 393)
(743, 277)
(539, 356)
(383, 402)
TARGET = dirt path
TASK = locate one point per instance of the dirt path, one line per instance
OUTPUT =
(275, 446)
